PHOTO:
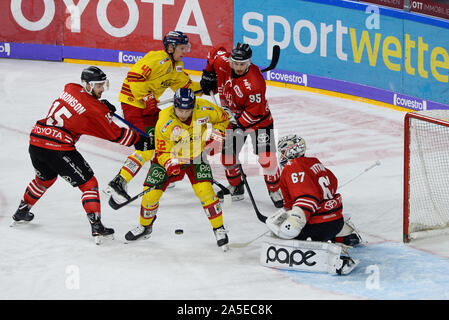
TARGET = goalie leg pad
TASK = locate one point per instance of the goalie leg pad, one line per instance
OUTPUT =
(309, 256)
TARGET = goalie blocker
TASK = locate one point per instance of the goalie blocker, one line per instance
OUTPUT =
(309, 256)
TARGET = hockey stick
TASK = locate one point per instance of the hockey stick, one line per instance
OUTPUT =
(259, 215)
(226, 199)
(245, 244)
(172, 99)
(376, 163)
(274, 59)
(130, 125)
(114, 205)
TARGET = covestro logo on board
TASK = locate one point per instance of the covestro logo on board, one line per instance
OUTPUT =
(410, 103)
(124, 57)
(288, 77)
(5, 49)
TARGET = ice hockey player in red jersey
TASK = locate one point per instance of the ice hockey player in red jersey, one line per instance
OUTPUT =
(241, 88)
(312, 206)
(77, 111)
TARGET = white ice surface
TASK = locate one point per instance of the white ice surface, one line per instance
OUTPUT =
(41, 259)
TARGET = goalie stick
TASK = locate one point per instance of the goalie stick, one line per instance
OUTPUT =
(376, 163)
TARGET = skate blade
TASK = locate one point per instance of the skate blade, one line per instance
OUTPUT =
(145, 237)
(348, 268)
(15, 223)
(225, 248)
(228, 197)
(101, 239)
(116, 199)
(227, 201)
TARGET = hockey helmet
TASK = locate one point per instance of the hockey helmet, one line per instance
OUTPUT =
(184, 98)
(241, 52)
(174, 38)
(92, 75)
(290, 147)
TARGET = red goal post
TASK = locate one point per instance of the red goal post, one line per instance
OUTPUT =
(426, 174)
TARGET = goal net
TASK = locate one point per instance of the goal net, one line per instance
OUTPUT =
(426, 173)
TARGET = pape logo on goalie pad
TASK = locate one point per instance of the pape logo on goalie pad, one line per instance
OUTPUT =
(299, 255)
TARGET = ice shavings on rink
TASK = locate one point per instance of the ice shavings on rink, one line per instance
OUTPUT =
(387, 271)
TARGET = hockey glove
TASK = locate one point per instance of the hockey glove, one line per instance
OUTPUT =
(208, 82)
(173, 167)
(150, 104)
(110, 106)
(145, 143)
(215, 143)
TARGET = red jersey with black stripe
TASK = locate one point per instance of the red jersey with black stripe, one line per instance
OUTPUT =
(244, 95)
(74, 113)
(306, 183)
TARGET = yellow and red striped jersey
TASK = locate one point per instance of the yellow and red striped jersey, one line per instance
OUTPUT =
(155, 72)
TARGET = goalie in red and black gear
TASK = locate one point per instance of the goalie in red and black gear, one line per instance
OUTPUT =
(312, 206)
(242, 88)
(76, 112)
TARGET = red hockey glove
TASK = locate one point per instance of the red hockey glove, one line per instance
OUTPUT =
(150, 104)
(215, 143)
(173, 167)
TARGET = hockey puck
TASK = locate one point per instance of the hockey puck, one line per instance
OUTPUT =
(179, 231)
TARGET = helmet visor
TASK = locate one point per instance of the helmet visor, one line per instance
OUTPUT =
(99, 84)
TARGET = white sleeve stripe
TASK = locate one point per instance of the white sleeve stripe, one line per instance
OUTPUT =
(308, 203)
(247, 117)
(126, 138)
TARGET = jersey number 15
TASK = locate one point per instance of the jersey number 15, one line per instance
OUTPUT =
(54, 117)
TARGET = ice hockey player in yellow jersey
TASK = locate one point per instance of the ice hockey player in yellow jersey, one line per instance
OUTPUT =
(145, 82)
(181, 146)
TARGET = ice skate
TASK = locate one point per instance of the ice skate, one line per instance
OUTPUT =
(117, 189)
(347, 266)
(99, 231)
(277, 198)
(22, 215)
(237, 192)
(222, 238)
(352, 240)
(139, 232)
(349, 235)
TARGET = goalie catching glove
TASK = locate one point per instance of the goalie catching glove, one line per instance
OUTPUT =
(287, 224)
